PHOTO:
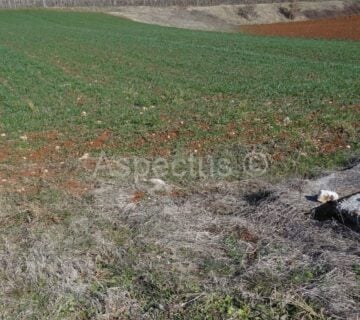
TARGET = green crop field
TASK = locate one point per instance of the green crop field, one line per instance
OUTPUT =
(79, 246)
(142, 83)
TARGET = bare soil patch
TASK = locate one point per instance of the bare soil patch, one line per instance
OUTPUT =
(335, 28)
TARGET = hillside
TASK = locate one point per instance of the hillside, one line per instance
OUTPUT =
(225, 17)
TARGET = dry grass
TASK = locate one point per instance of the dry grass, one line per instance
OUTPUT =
(348, 10)
(229, 250)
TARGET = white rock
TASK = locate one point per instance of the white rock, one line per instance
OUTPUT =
(327, 195)
(287, 121)
(159, 185)
(85, 156)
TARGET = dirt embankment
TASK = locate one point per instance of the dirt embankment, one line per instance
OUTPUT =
(230, 17)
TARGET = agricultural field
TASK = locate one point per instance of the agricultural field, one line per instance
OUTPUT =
(139, 84)
(75, 86)
(335, 28)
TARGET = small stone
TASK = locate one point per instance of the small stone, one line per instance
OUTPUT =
(287, 121)
(326, 196)
(85, 156)
(159, 185)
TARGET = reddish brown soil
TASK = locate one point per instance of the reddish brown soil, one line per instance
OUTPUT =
(335, 28)
(138, 196)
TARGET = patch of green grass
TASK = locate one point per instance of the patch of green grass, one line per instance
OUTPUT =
(233, 306)
(234, 251)
(356, 270)
(204, 90)
(302, 276)
(223, 306)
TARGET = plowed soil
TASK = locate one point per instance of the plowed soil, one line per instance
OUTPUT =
(336, 28)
